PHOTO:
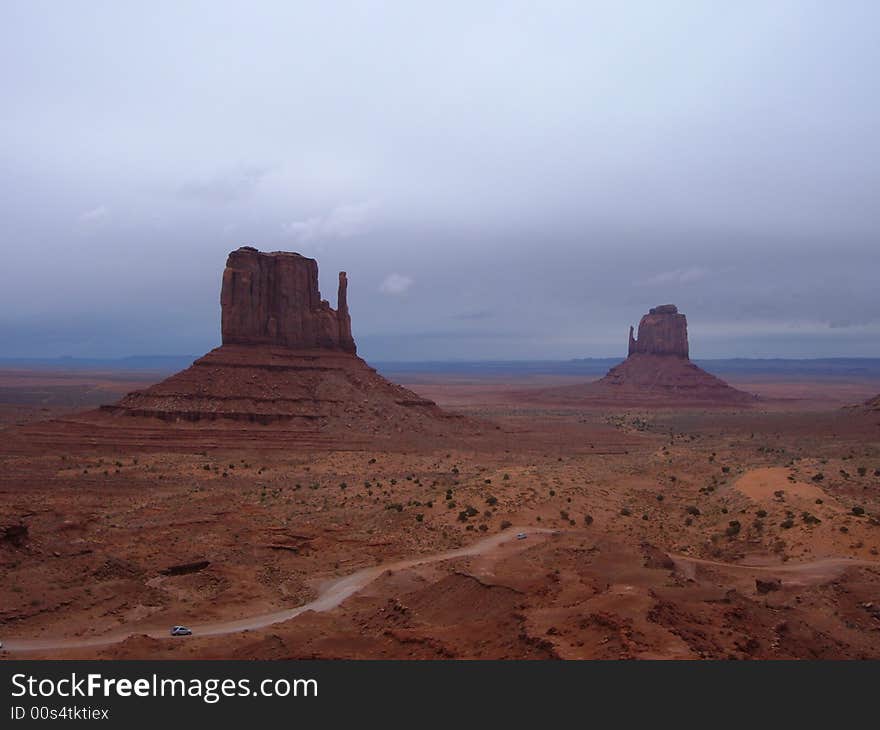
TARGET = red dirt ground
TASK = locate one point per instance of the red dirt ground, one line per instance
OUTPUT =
(676, 533)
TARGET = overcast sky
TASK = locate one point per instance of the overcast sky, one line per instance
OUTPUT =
(499, 179)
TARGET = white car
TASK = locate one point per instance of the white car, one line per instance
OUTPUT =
(180, 631)
(521, 536)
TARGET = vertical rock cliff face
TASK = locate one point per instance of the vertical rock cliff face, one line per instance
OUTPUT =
(663, 331)
(273, 299)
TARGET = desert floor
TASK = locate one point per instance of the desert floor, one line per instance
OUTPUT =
(665, 533)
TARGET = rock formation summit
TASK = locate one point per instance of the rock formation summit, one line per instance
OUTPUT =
(273, 299)
(662, 331)
(287, 359)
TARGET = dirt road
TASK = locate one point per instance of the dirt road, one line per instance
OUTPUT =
(331, 596)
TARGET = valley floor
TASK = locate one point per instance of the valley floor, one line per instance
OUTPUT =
(711, 533)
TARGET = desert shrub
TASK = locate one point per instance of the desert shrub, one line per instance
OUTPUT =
(588, 520)
(818, 477)
(625, 512)
(491, 501)
(733, 528)
(761, 513)
(858, 511)
(692, 510)
(787, 524)
(505, 524)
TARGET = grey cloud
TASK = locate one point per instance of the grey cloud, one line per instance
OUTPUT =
(552, 170)
(222, 188)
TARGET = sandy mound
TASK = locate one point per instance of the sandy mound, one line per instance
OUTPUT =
(765, 485)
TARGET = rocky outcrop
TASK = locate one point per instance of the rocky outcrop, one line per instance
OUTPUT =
(273, 299)
(287, 362)
(657, 372)
(663, 331)
(658, 365)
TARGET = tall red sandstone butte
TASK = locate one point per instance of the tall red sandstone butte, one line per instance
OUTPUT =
(273, 299)
(287, 359)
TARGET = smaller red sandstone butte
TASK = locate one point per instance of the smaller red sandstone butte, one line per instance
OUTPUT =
(657, 372)
(658, 364)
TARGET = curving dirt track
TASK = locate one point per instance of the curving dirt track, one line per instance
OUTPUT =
(331, 596)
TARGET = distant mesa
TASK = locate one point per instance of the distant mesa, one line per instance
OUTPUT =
(287, 359)
(657, 371)
(658, 364)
